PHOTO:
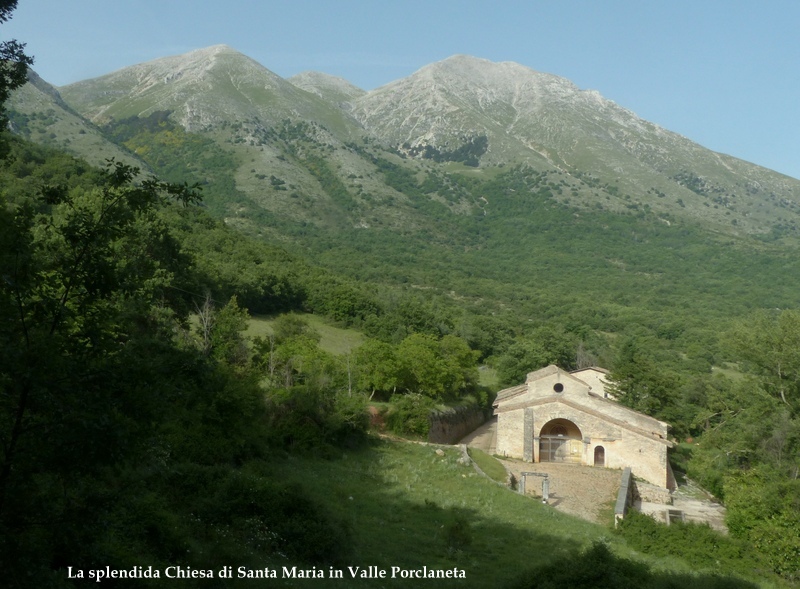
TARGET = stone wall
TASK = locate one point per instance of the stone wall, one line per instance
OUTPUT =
(511, 433)
(652, 494)
(450, 425)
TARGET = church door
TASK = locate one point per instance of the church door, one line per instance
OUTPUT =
(599, 456)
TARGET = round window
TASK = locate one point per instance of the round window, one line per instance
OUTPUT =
(558, 387)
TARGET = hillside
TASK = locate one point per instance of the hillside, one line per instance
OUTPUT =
(175, 440)
(37, 112)
(440, 513)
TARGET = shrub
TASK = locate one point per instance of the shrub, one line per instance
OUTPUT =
(410, 414)
(697, 544)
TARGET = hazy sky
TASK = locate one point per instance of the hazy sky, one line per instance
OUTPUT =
(722, 72)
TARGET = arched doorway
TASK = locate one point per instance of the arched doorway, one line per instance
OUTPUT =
(560, 440)
(599, 456)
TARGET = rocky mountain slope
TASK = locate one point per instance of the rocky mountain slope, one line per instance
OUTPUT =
(330, 88)
(532, 117)
(323, 140)
(201, 89)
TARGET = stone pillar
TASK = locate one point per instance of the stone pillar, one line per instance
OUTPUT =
(527, 431)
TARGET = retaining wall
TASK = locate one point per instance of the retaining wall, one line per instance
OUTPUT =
(450, 425)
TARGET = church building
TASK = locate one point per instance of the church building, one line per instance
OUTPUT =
(560, 416)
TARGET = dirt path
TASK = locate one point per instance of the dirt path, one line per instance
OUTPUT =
(484, 438)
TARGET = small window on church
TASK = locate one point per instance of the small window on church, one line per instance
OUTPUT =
(558, 387)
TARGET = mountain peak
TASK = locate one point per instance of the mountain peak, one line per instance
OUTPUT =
(462, 98)
(204, 88)
(202, 58)
(212, 51)
(472, 63)
(331, 88)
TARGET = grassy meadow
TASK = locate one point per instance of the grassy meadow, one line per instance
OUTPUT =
(335, 340)
(403, 505)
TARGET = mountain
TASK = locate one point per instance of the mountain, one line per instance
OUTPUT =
(202, 89)
(37, 111)
(460, 111)
(546, 121)
(468, 176)
(217, 109)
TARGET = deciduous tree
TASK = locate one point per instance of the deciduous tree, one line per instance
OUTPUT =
(769, 343)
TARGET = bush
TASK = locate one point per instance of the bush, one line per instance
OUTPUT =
(301, 418)
(697, 544)
(410, 414)
(350, 419)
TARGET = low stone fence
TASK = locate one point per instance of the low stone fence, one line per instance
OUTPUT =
(450, 425)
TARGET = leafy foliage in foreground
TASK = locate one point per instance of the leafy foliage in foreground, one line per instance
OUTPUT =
(123, 428)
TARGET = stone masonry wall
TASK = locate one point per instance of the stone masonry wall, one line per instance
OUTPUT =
(511, 433)
(652, 493)
(449, 426)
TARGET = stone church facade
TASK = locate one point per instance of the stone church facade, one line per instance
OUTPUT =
(560, 416)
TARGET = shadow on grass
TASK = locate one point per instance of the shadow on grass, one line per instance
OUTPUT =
(406, 507)
(598, 568)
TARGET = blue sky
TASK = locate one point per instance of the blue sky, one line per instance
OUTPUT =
(723, 73)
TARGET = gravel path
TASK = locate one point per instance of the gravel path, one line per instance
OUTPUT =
(483, 438)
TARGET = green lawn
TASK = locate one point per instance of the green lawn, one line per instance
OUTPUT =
(489, 465)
